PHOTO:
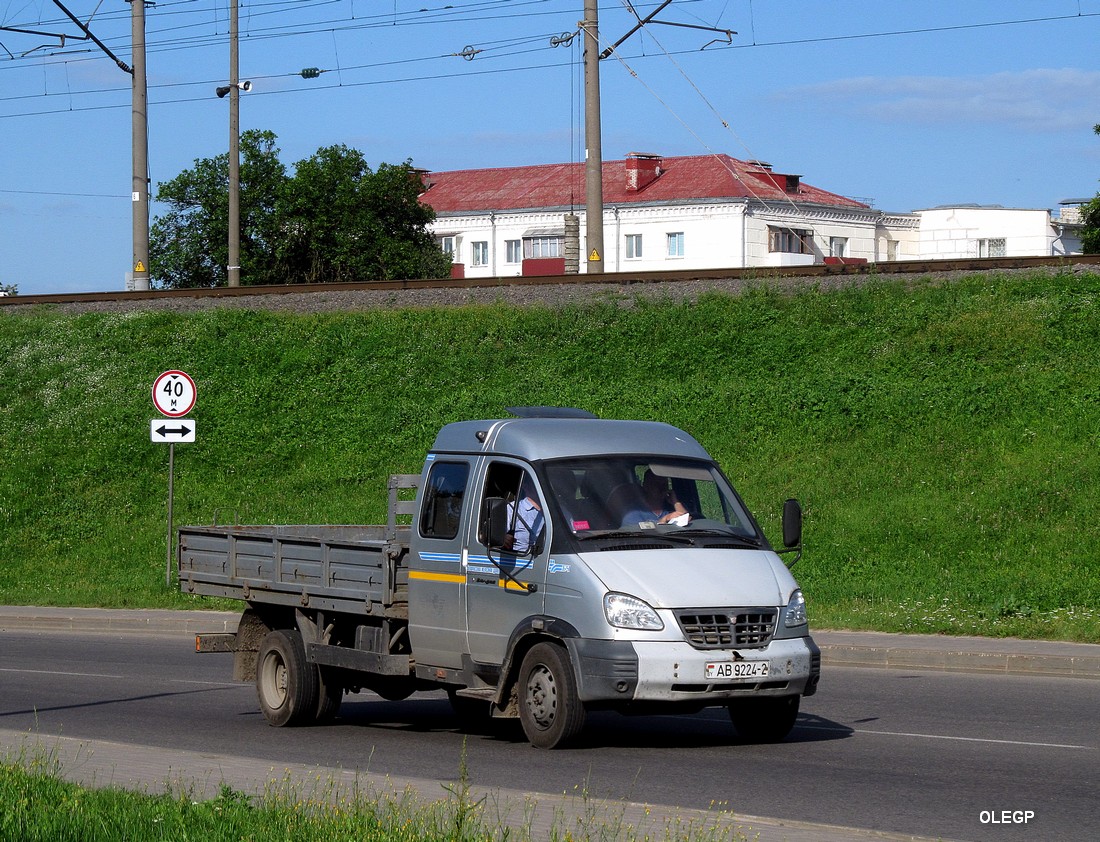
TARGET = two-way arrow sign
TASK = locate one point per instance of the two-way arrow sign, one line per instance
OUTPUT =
(171, 431)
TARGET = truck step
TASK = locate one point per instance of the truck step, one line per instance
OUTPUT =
(485, 693)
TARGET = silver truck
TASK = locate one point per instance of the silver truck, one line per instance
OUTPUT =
(550, 564)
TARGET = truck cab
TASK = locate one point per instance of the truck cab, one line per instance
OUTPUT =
(560, 563)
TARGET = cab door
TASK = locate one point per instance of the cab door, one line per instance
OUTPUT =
(437, 578)
(503, 587)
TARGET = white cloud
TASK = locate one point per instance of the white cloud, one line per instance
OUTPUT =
(1040, 100)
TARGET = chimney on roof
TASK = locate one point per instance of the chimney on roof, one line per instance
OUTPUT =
(642, 169)
(421, 175)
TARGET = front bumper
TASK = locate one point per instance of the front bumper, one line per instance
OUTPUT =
(674, 671)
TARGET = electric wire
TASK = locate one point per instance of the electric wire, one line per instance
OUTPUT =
(377, 20)
(717, 156)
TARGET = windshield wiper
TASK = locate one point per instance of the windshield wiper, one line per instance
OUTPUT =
(731, 536)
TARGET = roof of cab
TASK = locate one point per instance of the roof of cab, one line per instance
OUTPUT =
(535, 438)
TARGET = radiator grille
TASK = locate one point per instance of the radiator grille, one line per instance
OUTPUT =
(732, 628)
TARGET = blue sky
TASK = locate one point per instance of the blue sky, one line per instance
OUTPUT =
(904, 105)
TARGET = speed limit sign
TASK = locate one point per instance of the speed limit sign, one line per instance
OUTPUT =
(174, 394)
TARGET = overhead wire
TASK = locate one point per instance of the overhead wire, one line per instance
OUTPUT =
(374, 21)
(190, 43)
(725, 123)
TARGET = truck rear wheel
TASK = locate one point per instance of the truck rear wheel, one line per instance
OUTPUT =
(764, 720)
(287, 685)
(549, 708)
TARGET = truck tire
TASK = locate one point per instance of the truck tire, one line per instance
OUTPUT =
(287, 685)
(765, 720)
(550, 710)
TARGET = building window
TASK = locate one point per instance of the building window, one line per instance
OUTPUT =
(633, 246)
(447, 244)
(838, 246)
(534, 247)
(991, 248)
(513, 251)
(676, 244)
(480, 253)
(790, 240)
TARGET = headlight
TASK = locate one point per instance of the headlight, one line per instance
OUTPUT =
(629, 612)
(796, 611)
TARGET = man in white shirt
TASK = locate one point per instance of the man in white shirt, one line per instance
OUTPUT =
(525, 519)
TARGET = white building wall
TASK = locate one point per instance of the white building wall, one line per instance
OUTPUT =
(897, 237)
(856, 227)
(712, 236)
(494, 230)
(736, 234)
(715, 235)
(959, 232)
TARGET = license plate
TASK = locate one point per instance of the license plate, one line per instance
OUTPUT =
(730, 670)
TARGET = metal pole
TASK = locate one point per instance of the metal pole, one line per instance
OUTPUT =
(140, 149)
(234, 266)
(171, 494)
(593, 156)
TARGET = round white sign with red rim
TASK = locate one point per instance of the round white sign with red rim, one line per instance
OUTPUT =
(174, 393)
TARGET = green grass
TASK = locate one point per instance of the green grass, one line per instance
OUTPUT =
(39, 805)
(943, 437)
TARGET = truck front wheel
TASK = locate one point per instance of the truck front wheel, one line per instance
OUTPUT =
(764, 720)
(286, 684)
(549, 708)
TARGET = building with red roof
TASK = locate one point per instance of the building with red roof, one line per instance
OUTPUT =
(705, 212)
(698, 211)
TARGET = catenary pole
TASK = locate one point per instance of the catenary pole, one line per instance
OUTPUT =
(139, 149)
(233, 270)
(593, 155)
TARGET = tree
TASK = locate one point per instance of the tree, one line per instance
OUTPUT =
(189, 245)
(1090, 220)
(1090, 226)
(342, 222)
(8, 289)
(332, 220)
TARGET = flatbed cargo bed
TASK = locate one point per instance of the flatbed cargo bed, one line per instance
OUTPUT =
(353, 569)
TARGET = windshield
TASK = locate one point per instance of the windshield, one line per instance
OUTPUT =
(647, 495)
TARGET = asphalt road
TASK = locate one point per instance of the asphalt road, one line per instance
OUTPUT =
(936, 754)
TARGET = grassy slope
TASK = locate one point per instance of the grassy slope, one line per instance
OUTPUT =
(943, 437)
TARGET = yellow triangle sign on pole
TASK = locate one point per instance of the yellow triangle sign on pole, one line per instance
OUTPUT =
(139, 267)
(594, 256)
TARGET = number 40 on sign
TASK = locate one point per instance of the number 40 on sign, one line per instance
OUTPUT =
(174, 393)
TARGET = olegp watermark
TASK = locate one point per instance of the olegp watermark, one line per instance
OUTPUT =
(1006, 816)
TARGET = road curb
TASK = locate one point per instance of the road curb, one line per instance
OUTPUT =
(1010, 656)
(950, 658)
(162, 621)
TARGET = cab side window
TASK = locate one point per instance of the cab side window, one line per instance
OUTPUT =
(444, 491)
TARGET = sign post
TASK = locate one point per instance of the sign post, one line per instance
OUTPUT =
(174, 396)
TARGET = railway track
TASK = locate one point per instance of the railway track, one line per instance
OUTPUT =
(907, 267)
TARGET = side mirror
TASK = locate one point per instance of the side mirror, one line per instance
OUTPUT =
(792, 524)
(494, 522)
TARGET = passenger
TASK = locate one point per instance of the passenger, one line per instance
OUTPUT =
(629, 499)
